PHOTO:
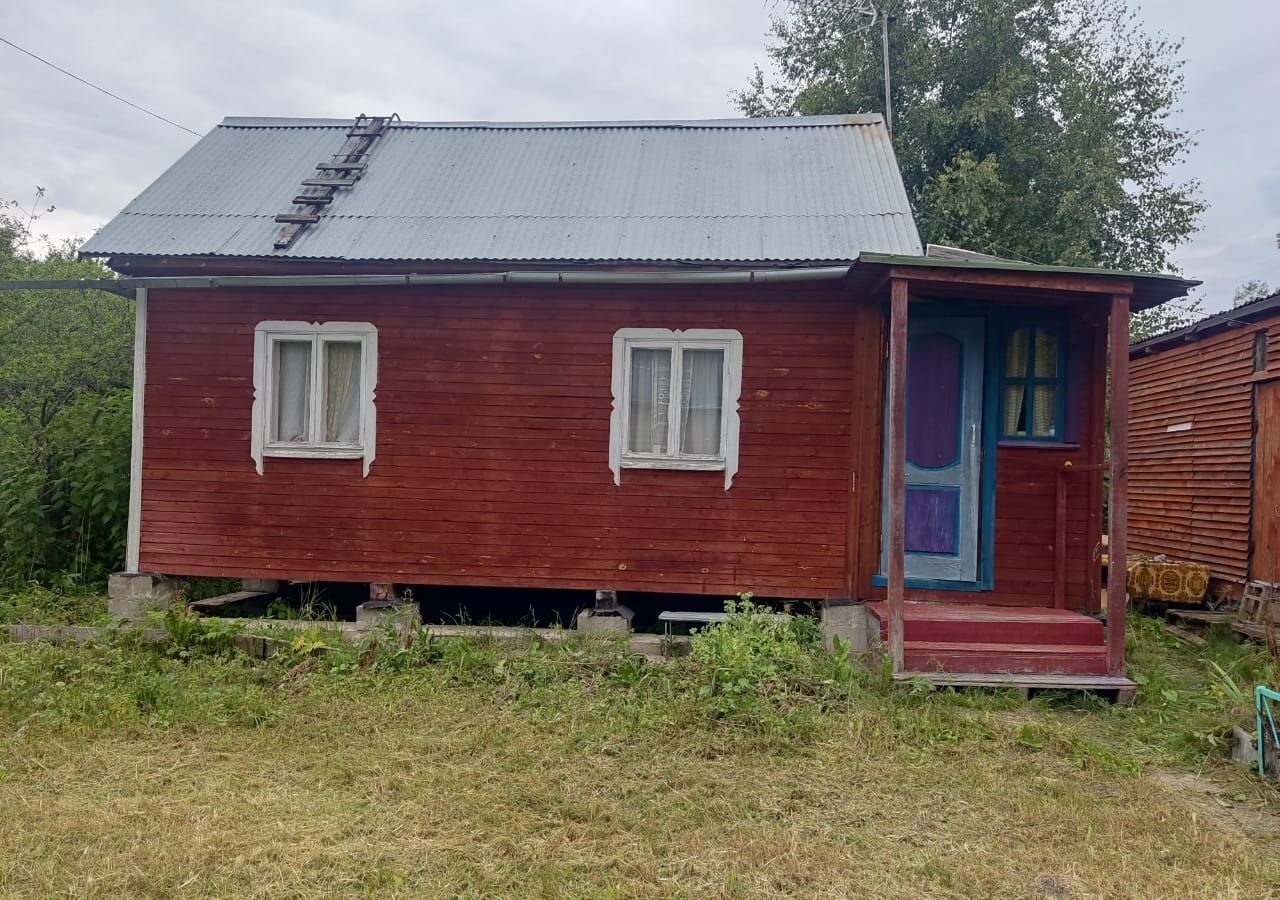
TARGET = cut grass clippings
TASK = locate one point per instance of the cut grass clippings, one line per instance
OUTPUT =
(463, 769)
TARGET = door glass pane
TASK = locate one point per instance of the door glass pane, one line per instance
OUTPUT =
(701, 396)
(1015, 410)
(935, 388)
(1046, 354)
(342, 392)
(650, 400)
(292, 399)
(1015, 354)
(1044, 414)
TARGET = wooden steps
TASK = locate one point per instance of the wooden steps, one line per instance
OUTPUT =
(973, 639)
(1021, 659)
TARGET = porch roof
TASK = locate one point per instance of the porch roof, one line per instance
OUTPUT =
(1146, 289)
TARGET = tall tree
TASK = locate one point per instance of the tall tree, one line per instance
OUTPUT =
(65, 371)
(1254, 289)
(1033, 129)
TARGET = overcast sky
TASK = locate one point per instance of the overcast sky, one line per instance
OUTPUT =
(195, 62)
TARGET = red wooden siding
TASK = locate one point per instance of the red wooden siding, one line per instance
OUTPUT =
(1190, 490)
(492, 451)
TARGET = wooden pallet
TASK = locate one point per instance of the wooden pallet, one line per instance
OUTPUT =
(1259, 614)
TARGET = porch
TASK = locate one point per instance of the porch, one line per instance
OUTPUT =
(1003, 386)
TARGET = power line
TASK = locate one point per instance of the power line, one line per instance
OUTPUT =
(100, 89)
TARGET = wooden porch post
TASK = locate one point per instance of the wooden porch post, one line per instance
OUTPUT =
(896, 452)
(1118, 512)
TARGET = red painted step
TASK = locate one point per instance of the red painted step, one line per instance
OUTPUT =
(950, 656)
(970, 623)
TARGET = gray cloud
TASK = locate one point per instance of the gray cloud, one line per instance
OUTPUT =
(195, 62)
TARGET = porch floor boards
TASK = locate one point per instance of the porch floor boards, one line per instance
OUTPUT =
(978, 640)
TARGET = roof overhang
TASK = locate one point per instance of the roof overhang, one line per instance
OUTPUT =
(127, 286)
(1145, 290)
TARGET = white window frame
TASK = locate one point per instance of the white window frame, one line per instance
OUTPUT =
(266, 335)
(625, 340)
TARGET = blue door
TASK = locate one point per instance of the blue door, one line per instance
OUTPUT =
(943, 449)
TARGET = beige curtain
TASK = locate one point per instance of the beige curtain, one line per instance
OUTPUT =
(701, 396)
(292, 418)
(1015, 395)
(650, 400)
(342, 392)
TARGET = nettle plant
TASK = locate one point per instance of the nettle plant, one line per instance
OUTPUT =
(758, 657)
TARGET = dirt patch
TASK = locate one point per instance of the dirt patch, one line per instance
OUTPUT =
(1222, 804)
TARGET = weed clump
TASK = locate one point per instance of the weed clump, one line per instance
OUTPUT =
(758, 664)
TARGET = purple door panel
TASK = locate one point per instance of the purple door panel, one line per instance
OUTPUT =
(935, 378)
(933, 520)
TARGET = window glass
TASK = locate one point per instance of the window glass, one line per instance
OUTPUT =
(1015, 353)
(1044, 406)
(1015, 410)
(702, 394)
(1046, 354)
(342, 392)
(650, 400)
(1033, 383)
(292, 400)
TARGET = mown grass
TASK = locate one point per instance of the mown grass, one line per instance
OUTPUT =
(463, 768)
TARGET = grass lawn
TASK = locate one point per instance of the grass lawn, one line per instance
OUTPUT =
(466, 769)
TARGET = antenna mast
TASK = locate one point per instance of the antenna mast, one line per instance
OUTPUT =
(883, 15)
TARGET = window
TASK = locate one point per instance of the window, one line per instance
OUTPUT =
(675, 400)
(1260, 351)
(313, 390)
(1033, 384)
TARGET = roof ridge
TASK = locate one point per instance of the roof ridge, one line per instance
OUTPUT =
(455, 216)
(853, 119)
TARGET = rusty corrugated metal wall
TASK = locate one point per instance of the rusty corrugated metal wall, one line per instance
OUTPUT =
(1191, 448)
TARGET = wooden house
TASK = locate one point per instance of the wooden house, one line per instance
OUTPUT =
(697, 357)
(1205, 453)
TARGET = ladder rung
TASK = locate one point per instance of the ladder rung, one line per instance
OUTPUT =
(343, 167)
(297, 218)
(312, 201)
(328, 182)
(377, 133)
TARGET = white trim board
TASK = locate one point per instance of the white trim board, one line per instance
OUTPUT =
(367, 334)
(727, 339)
(133, 537)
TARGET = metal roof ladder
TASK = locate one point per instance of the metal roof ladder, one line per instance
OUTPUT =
(342, 171)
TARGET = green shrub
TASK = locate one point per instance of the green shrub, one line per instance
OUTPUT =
(64, 498)
(757, 662)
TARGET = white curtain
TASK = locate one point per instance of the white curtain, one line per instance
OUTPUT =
(1044, 410)
(701, 396)
(1046, 354)
(1016, 352)
(342, 392)
(650, 400)
(293, 391)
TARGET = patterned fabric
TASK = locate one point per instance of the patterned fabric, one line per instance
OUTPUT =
(1167, 581)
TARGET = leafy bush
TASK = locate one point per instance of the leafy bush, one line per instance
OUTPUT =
(64, 506)
(757, 661)
(65, 371)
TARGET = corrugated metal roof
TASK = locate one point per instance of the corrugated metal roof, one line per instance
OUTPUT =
(1237, 315)
(727, 190)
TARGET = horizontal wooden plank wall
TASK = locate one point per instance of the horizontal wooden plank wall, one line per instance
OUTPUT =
(492, 456)
(1026, 494)
(1190, 488)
